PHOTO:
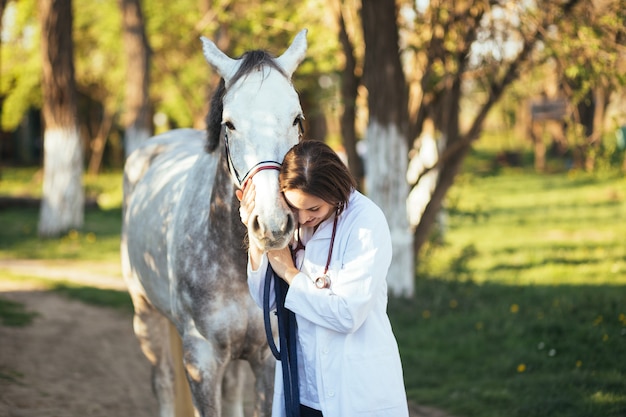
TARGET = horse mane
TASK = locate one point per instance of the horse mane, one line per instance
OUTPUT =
(250, 61)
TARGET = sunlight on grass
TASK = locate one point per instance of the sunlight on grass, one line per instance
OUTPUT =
(607, 398)
(534, 229)
(98, 241)
(105, 187)
(104, 297)
(21, 182)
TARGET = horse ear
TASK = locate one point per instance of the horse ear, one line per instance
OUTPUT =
(223, 64)
(292, 57)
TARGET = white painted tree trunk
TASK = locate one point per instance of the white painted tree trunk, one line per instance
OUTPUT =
(386, 166)
(424, 157)
(133, 137)
(63, 199)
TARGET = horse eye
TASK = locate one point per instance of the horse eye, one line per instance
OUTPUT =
(229, 125)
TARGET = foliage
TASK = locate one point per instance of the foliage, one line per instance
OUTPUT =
(180, 77)
(20, 81)
(97, 44)
(590, 46)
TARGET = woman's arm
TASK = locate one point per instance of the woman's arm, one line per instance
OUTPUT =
(257, 261)
(282, 263)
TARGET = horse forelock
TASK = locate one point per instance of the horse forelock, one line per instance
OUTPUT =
(250, 61)
(254, 59)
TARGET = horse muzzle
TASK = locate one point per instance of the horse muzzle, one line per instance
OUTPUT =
(272, 233)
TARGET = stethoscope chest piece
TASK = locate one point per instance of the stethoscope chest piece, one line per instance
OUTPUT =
(322, 282)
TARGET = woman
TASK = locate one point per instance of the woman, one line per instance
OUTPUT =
(348, 359)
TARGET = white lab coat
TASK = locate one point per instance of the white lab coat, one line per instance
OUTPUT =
(357, 364)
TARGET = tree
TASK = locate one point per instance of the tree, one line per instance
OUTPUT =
(137, 121)
(3, 4)
(447, 48)
(350, 82)
(100, 77)
(387, 150)
(445, 44)
(590, 54)
(62, 205)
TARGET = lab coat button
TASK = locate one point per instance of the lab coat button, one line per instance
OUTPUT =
(331, 393)
(325, 351)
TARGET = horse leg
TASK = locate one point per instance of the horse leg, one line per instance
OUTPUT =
(206, 364)
(184, 402)
(263, 365)
(152, 329)
(232, 389)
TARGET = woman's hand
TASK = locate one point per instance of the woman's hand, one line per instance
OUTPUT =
(246, 197)
(282, 264)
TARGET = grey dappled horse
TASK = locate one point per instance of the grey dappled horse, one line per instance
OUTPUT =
(183, 245)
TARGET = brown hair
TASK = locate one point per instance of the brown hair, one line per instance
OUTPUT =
(313, 167)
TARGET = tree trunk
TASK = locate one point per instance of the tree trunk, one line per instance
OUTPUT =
(594, 139)
(62, 204)
(387, 149)
(349, 91)
(98, 143)
(136, 119)
(539, 146)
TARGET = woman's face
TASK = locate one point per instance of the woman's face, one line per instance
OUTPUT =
(311, 210)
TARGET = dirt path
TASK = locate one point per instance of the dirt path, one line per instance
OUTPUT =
(76, 360)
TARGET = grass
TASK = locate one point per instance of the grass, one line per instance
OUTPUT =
(523, 228)
(15, 314)
(493, 350)
(95, 296)
(98, 240)
(520, 310)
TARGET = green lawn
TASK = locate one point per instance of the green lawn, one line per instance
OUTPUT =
(519, 312)
(97, 241)
(524, 228)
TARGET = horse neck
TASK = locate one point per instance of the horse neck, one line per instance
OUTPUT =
(224, 221)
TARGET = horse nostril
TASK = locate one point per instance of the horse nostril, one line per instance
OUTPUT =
(288, 225)
(256, 226)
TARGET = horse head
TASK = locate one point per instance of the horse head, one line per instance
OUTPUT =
(256, 111)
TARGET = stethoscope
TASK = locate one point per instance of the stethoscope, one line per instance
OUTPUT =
(323, 281)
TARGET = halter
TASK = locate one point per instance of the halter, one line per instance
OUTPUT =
(260, 166)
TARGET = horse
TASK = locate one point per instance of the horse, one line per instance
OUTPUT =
(183, 246)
